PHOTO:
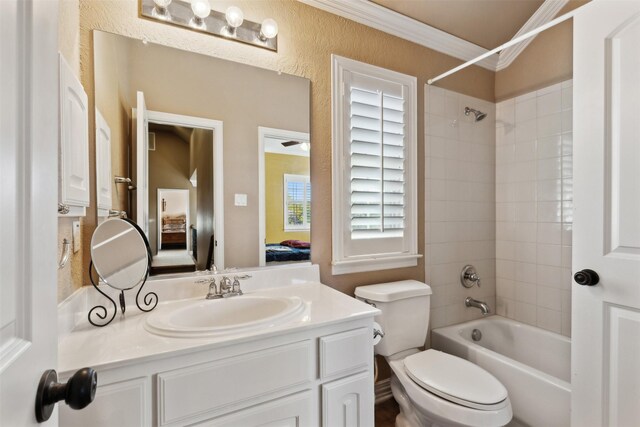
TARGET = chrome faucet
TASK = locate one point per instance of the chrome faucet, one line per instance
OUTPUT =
(225, 286)
(483, 306)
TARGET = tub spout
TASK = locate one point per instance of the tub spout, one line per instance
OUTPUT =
(483, 306)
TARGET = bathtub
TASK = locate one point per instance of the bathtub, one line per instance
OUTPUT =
(533, 364)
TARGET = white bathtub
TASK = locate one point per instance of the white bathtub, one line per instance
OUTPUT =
(533, 364)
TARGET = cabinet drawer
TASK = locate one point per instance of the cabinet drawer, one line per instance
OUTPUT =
(346, 352)
(291, 411)
(230, 383)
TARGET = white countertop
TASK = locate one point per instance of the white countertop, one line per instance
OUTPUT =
(126, 340)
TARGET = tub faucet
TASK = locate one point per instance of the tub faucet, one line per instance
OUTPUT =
(483, 306)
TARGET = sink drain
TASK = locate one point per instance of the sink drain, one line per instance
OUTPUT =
(476, 335)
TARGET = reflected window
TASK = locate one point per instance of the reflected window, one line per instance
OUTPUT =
(297, 209)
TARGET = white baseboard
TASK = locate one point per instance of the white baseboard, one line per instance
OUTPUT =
(383, 390)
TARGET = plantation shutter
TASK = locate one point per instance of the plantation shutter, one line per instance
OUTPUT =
(374, 158)
(377, 140)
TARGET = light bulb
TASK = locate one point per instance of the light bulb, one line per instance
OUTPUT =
(201, 8)
(162, 4)
(234, 16)
(268, 29)
(305, 146)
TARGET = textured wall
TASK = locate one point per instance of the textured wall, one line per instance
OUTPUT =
(307, 39)
(547, 60)
(534, 193)
(70, 277)
(460, 203)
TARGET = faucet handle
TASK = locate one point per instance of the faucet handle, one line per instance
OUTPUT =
(236, 283)
(209, 280)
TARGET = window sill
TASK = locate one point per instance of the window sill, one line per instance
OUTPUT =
(374, 264)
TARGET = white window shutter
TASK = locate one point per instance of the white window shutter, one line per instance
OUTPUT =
(375, 198)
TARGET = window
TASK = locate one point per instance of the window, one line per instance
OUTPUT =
(297, 202)
(374, 168)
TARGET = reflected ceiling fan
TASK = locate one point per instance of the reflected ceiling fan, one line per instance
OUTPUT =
(290, 143)
(303, 145)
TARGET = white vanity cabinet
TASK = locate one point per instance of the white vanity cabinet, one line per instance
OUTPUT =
(317, 377)
(74, 184)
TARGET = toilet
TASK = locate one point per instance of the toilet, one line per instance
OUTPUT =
(432, 388)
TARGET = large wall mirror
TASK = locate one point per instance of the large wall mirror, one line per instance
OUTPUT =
(217, 153)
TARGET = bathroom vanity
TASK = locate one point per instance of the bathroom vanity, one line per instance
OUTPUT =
(311, 366)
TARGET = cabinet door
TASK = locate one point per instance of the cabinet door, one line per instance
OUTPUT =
(291, 411)
(74, 140)
(123, 404)
(348, 402)
(104, 181)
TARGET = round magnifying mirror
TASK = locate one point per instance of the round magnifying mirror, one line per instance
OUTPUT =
(120, 254)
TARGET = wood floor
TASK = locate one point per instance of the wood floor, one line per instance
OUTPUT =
(386, 413)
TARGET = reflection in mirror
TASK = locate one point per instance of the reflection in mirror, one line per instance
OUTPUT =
(155, 101)
(285, 183)
(119, 254)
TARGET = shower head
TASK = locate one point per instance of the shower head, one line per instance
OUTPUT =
(479, 114)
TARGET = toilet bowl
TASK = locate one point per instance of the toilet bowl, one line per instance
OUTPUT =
(432, 388)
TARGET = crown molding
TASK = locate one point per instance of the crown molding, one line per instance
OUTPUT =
(545, 13)
(388, 21)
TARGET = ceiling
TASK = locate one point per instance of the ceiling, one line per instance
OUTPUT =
(486, 23)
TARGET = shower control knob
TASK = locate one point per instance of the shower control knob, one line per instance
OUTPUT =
(586, 277)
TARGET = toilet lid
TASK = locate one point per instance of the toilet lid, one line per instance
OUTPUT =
(455, 379)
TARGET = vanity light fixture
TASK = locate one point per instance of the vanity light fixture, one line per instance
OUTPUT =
(201, 10)
(234, 17)
(160, 10)
(197, 15)
(268, 29)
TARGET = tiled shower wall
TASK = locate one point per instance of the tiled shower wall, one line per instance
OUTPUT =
(460, 203)
(534, 208)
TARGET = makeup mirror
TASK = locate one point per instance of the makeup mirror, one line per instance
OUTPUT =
(119, 254)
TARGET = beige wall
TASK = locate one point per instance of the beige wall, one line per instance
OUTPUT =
(547, 60)
(275, 167)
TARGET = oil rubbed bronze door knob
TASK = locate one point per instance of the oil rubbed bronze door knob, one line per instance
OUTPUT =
(78, 392)
(586, 277)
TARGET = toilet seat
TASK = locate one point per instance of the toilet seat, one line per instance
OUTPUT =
(456, 380)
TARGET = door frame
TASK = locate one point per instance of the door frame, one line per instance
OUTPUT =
(263, 133)
(159, 217)
(217, 126)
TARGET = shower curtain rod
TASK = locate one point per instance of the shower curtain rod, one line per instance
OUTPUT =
(503, 46)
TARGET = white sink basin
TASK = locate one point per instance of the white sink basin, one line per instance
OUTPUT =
(204, 318)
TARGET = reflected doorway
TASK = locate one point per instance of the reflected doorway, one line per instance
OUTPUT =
(285, 197)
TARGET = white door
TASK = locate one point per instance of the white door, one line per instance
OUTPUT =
(606, 317)
(104, 180)
(142, 164)
(28, 191)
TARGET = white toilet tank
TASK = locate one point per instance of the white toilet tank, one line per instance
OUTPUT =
(405, 307)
